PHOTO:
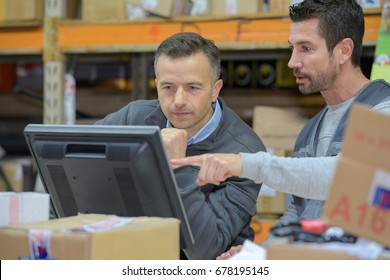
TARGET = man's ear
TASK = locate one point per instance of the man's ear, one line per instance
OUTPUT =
(345, 50)
(217, 88)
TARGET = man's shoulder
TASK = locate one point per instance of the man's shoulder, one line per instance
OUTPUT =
(374, 93)
(241, 134)
(378, 85)
(142, 106)
(235, 123)
(144, 103)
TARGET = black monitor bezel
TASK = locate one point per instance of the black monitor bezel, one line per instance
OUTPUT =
(101, 133)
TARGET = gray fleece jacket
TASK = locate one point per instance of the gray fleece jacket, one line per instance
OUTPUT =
(219, 216)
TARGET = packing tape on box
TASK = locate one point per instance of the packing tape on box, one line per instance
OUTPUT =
(14, 210)
(10, 212)
(114, 222)
(23, 207)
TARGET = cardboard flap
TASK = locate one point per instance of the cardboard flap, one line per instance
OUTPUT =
(366, 139)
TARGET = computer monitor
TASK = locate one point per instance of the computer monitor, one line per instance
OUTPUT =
(107, 169)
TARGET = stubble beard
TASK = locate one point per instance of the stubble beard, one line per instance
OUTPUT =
(320, 82)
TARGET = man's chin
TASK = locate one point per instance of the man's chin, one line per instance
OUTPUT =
(304, 90)
(307, 92)
(180, 125)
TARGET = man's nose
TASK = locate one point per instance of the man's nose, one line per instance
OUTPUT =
(179, 96)
(294, 61)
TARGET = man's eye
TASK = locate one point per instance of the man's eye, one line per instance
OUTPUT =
(193, 88)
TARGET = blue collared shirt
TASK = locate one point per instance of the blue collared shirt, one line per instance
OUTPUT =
(208, 128)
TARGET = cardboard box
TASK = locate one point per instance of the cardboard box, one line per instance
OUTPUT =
(235, 7)
(310, 251)
(271, 204)
(277, 128)
(23, 207)
(303, 252)
(21, 10)
(103, 10)
(198, 8)
(97, 237)
(270, 201)
(359, 197)
(279, 6)
(163, 8)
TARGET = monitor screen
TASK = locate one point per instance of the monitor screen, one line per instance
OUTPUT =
(106, 169)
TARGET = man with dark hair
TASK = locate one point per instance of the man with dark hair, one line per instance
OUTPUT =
(326, 39)
(194, 121)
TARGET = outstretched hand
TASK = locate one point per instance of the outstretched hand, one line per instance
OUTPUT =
(214, 168)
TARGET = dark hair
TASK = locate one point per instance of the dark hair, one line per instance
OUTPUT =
(338, 19)
(188, 43)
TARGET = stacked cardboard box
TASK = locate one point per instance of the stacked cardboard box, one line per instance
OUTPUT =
(278, 129)
(235, 7)
(117, 10)
(23, 207)
(162, 8)
(21, 10)
(307, 251)
(90, 236)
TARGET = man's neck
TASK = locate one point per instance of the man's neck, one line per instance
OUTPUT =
(346, 88)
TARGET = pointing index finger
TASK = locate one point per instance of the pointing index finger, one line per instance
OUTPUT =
(192, 160)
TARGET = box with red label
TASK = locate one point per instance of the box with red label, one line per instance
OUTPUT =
(359, 197)
(93, 237)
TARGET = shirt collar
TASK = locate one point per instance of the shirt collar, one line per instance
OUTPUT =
(208, 128)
